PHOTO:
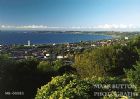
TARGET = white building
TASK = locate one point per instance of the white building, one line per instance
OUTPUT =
(47, 55)
(29, 43)
(126, 38)
(93, 45)
(60, 57)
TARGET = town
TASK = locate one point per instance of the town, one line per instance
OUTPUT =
(52, 52)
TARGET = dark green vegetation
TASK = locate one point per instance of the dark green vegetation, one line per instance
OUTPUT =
(116, 64)
(106, 61)
(72, 87)
(26, 76)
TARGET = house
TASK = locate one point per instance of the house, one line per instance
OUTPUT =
(60, 57)
(126, 38)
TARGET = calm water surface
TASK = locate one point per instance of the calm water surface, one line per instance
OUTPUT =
(10, 37)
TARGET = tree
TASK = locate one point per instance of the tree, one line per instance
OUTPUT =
(133, 75)
(64, 87)
(95, 62)
(72, 87)
(18, 76)
(109, 60)
(57, 64)
(45, 66)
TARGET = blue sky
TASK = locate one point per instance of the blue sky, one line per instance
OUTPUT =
(70, 14)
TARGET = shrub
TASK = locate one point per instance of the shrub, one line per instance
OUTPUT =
(57, 64)
(45, 66)
(64, 87)
(71, 87)
(133, 75)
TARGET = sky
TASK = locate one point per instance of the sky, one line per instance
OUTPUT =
(70, 14)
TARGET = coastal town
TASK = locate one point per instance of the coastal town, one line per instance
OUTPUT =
(69, 49)
(52, 52)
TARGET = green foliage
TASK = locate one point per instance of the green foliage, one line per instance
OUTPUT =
(67, 69)
(29, 74)
(45, 66)
(71, 87)
(135, 42)
(96, 62)
(109, 60)
(57, 64)
(64, 87)
(4, 57)
(18, 75)
(133, 75)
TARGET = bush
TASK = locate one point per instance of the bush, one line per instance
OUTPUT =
(18, 76)
(57, 64)
(64, 87)
(71, 87)
(133, 75)
(67, 69)
(45, 66)
(106, 61)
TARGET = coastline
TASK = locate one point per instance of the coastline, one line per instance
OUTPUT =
(48, 37)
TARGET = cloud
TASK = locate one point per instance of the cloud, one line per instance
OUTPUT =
(32, 27)
(24, 27)
(116, 26)
(104, 26)
(6, 26)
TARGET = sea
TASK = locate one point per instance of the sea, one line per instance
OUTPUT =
(21, 37)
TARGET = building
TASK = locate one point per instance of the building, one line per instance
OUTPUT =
(126, 38)
(29, 43)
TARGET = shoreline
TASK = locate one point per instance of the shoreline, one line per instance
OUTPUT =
(49, 38)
